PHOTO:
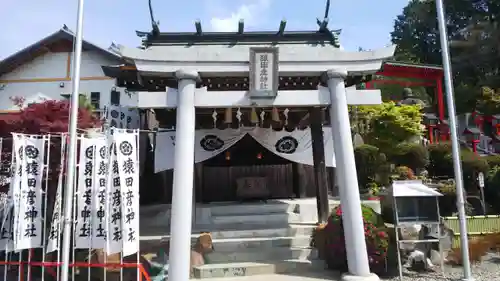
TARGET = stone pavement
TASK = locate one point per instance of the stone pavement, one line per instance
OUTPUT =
(307, 276)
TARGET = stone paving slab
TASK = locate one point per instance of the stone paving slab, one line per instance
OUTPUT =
(284, 277)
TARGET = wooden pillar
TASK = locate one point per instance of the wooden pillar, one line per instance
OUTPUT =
(299, 189)
(320, 175)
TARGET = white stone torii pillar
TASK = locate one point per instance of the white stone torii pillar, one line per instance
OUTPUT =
(182, 195)
(352, 218)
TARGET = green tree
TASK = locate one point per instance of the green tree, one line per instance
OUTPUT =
(84, 102)
(474, 35)
(416, 33)
(390, 124)
(489, 101)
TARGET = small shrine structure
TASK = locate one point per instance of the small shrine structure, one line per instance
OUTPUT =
(194, 74)
(421, 75)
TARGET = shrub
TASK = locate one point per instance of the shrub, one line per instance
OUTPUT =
(439, 160)
(441, 163)
(404, 173)
(318, 240)
(472, 164)
(412, 155)
(43, 118)
(478, 248)
(368, 160)
(376, 235)
(391, 124)
(492, 187)
(447, 187)
(493, 160)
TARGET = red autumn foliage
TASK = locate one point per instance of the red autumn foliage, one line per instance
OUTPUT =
(42, 118)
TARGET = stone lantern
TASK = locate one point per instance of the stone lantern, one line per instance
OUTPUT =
(431, 121)
(473, 136)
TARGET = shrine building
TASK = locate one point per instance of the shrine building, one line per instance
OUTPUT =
(284, 95)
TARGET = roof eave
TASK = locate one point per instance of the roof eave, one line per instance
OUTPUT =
(415, 65)
(63, 33)
(187, 38)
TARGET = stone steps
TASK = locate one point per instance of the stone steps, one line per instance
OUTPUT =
(240, 244)
(266, 231)
(252, 208)
(256, 268)
(250, 239)
(260, 254)
(241, 230)
(262, 218)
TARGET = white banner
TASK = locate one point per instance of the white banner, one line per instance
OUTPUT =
(84, 194)
(294, 146)
(99, 203)
(208, 144)
(32, 155)
(113, 201)
(128, 164)
(53, 237)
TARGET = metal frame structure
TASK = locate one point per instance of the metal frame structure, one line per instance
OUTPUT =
(399, 225)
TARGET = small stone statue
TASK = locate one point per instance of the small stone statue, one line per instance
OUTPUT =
(410, 99)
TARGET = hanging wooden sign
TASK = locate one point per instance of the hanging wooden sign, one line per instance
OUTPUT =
(264, 72)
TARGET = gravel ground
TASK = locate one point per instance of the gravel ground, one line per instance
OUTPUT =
(488, 270)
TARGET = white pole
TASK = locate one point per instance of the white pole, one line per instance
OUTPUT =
(182, 195)
(455, 145)
(352, 217)
(70, 170)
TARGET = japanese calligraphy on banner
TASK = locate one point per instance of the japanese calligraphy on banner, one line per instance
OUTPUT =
(55, 225)
(263, 72)
(99, 202)
(128, 168)
(84, 192)
(31, 154)
(113, 202)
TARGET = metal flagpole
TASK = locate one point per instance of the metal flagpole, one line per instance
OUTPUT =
(71, 164)
(455, 145)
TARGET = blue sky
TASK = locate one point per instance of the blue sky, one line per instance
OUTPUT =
(365, 23)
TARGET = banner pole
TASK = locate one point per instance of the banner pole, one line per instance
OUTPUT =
(455, 145)
(70, 176)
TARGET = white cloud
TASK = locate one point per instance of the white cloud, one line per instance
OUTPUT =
(248, 12)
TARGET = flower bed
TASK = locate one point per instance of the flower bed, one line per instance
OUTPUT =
(330, 242)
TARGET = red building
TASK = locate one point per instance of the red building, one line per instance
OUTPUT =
(416, 75)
